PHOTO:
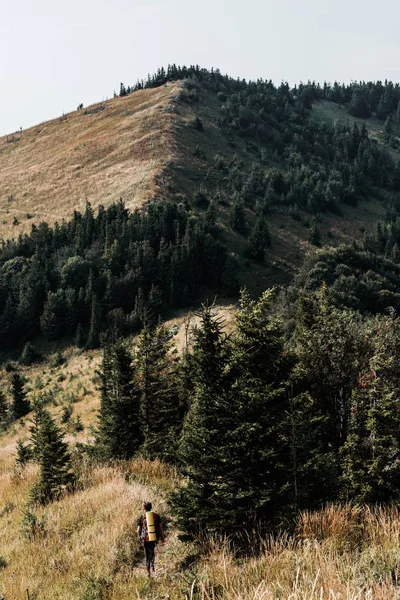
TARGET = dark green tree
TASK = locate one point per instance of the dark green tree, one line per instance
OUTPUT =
(29, 354)
(4, 411)
(119, 433)
(20, 404)
(51, 452)
(314, 235)
(237, 217)
(199, 503)
(371, 454)
(156, 376)
(52, 321)
(259, 240)
(93, 340)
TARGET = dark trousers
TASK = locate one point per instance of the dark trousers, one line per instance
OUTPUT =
(149, 550)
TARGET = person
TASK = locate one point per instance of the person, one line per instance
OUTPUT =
(150, 531)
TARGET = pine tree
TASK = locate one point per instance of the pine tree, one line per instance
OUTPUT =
(260, 368)
(24, 453)
(371, 454)
(119, 433)
(20, 404)
(237, 217)
(359, 106)
(314, 235)
(51, 452)
(199, 503)
(4, 411)
(93, 340)
(259, 240)
(160, 413)
(52, 321)
(29, 354)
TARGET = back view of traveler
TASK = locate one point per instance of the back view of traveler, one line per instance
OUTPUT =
(150, 531)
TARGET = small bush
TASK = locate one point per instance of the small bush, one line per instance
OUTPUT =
(78, 425)
(198, 124)
(3, 562)
(199, 153)
(58, 360)
(96, 588)
(66, 413)
(29, 354)
(32, 525)
(200, 199)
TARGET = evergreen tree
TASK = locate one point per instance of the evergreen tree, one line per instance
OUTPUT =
(359, 106)
(258, 442)
(314, 235)
(259, 240)
(29, 354)
(20, 404)
(119, 433)
(199, 504)
(160, 413)
(24, 453)
(79, 336)
(52, 321)
(237, 217)
(51, 452)
(4, 411)
(93, 340)
(371, 454)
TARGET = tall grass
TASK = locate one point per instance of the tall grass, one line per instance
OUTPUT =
(85, 547)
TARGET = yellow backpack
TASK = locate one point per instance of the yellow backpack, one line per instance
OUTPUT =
(149, 527)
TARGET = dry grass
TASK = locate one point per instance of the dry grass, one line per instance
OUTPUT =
(87, 548)
(117, 152)
(341, 552)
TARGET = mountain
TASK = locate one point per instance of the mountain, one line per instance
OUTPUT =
(279, 151)
(137, 210)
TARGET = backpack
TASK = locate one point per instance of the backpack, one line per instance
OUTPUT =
(149, 529)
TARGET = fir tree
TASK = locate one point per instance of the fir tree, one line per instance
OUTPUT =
(237, 217)
(20, 404)
(371, 454)
(51, 452)
(29, 354)
(199, 503)
(119, 433)
(4, 411)
(24, 453)
(259, 240)
(314, 235)
(93, 340)
(160, 414)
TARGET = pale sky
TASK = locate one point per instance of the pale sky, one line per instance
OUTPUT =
(54, 55)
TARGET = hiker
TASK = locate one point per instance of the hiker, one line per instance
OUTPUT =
(150, 531)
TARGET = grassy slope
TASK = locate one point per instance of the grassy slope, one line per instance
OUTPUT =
(54, 167)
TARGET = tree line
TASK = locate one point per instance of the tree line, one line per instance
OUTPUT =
(110, 269)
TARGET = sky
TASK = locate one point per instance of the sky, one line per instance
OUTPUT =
(55, 55)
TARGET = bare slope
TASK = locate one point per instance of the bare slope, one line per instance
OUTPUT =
(109, 150)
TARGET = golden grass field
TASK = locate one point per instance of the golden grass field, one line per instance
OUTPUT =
(51, 169)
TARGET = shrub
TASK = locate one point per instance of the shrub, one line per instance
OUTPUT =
(66, 413)
(198, 124)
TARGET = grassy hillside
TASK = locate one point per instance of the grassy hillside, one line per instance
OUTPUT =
(100, 153)
(145, 146)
